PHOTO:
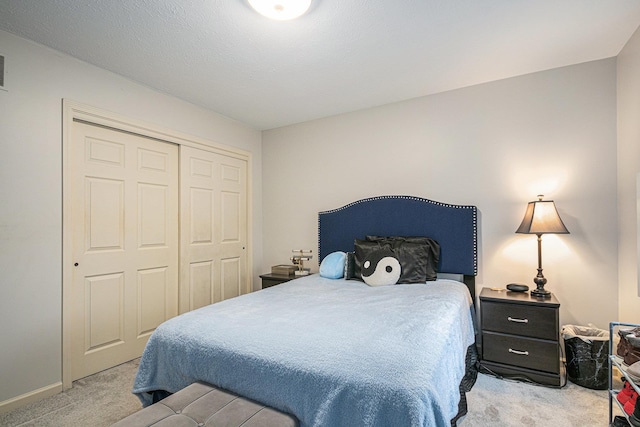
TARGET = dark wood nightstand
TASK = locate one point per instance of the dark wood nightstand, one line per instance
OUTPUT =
(521, 336)
(271, 279)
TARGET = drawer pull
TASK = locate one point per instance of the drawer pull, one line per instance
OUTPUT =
(522, 353)
(513, 319)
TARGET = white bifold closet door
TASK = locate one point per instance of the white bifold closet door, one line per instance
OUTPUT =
(124, 211)
(213, 228)
(157, 229)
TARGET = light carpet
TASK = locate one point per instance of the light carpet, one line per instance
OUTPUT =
(104, 398)
(497, 402)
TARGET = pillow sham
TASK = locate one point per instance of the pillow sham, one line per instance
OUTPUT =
(333, 265)
(413, 249)
(349, 266)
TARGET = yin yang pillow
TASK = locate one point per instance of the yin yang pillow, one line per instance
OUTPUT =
(414, 258)
(419, 256)
(381, 268)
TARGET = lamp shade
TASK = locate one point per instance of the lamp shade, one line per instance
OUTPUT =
(542, 217)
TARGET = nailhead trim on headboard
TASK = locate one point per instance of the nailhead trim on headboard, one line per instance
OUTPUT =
(474, 211)
(419, 199)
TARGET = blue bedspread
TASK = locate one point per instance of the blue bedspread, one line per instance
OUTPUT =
(330, 352)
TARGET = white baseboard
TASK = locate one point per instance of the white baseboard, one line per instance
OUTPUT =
(32, 396)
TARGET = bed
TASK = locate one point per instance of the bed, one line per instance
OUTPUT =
(336, 352)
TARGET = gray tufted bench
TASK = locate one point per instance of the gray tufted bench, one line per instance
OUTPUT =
(202, 404)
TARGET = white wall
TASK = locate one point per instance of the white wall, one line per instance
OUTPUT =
(628, 169)
(31, 192)
(496, 146)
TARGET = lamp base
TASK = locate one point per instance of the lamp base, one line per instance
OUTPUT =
(540, 281)
(540, 293)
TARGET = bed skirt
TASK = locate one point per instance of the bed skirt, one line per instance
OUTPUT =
(469, 379)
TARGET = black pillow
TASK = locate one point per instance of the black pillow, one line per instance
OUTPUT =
(413, 258)
(414, 247)
(362, 249)
(350, 266)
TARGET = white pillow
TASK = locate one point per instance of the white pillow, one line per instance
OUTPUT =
(381, 268)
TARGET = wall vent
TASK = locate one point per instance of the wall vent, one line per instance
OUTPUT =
(2, 72)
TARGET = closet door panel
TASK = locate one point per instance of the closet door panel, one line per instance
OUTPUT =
(213, 228)
(125, 244)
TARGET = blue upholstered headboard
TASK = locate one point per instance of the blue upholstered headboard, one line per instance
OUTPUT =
(454, 227)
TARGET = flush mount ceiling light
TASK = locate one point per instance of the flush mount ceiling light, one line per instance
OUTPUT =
(281, 10)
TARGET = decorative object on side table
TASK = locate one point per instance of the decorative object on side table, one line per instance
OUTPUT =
(521, 336)
(284, 269)
(541, 218)
(301, 255)
(517, 287)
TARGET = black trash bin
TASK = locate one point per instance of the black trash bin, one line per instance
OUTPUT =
(587, 351)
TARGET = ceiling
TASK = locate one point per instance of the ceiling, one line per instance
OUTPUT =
(342, 56)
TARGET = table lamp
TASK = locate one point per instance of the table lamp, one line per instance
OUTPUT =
(541, 218)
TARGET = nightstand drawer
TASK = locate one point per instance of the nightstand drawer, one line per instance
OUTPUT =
(271, 279)
(529, 353)
(527, 320)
